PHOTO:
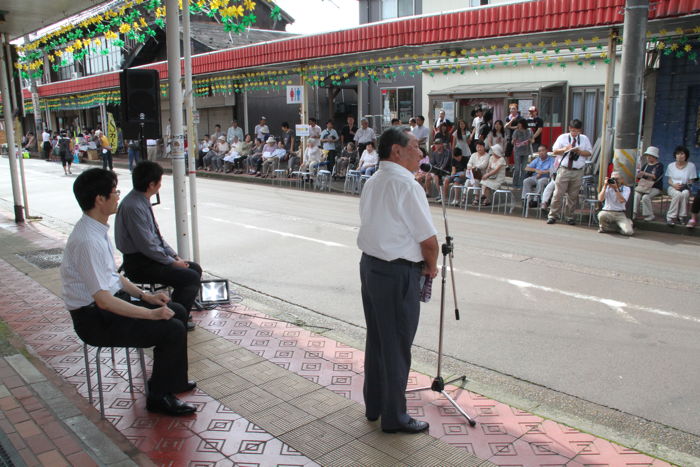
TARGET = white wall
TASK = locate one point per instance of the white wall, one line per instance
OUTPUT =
(436, 6)
(573, 74)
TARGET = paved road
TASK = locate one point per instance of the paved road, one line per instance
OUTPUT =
(609, 319)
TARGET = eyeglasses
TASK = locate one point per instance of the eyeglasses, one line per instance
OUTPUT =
(117, 192)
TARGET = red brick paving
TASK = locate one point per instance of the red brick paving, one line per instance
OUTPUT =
(504, 435)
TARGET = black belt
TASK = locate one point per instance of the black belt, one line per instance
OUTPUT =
(402, 261)
(564, 167)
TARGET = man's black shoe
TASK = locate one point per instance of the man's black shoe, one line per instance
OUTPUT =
(413, 426)
(187, 387)
(551, 220)
(169, 405)
(372, 418)
(571, 222)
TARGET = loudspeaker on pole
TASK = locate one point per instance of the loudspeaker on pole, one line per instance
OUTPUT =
(140, 106)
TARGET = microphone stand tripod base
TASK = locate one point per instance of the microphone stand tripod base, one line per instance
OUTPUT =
(439, 386)
(439, 383)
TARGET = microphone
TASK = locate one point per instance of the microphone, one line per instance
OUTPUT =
(435, 170)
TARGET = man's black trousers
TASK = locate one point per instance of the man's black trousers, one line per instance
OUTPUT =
(185, 282)
(102, 328)
(390, 293)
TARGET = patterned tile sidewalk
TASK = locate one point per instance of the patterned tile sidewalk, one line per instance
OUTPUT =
(271, 393)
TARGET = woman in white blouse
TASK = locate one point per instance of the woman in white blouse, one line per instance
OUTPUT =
(369, 160)
(681, 175)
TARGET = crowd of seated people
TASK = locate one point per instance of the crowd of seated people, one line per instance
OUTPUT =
(458, 155)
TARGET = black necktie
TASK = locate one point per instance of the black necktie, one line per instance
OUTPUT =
(155, 224)
(570, 165)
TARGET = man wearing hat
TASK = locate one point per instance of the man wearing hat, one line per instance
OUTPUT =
(535, 124)
(269, 159)
(650, 183)
(440, 159)
(215, 159)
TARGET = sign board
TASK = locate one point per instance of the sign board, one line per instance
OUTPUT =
(295, 94)
(195, 117)
(302, 130)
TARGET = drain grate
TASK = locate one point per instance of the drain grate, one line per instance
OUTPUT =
(7, 452)
(44, 259)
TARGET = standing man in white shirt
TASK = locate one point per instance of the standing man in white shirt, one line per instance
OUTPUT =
(614, 196)
(46, 143)
(99, 298)
(421, 132)
(262, 131)
(575, 148)
(233, 131)
(399, 244)
(441, 119)
(364, 135)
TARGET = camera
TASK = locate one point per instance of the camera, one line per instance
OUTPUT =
(572, 155)
(611, 181)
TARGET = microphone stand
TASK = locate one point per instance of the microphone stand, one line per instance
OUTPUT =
(439, 383)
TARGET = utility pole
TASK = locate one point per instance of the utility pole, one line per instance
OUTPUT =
(191, 129)
(10, 132)
(607, 109)
(627, 126)
(172, 31)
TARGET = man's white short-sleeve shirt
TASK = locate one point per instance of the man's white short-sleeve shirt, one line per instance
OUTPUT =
(394, 215)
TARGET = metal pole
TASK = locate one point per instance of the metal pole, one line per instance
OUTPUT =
(304, 111)
(631, 85)
(103, 120)
(245, 111)
(608, 99)
(10, 134)
(191, 130)
(172, 33)
(38, 123)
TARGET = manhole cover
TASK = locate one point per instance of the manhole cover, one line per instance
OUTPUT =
(44, 259)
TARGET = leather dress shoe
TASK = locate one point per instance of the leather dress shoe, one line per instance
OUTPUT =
(190, 385)
(372, 418)
(413, 426)
(169, 405)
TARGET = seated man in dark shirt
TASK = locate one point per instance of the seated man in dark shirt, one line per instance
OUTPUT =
(100, 304)
(458, 174)
(147, 256)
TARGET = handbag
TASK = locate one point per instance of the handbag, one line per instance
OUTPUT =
(476, 172)
(644, 185)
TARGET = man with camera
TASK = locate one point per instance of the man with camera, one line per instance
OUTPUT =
(575, 148)
(614, 196)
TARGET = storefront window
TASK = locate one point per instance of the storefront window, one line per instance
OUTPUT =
(396, 103)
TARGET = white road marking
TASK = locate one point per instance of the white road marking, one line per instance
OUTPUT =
(278, 232)
(617, 306)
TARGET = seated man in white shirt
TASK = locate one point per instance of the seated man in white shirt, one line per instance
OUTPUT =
(100, 304)
(614, 196)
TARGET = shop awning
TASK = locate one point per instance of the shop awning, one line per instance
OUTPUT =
(496, 88)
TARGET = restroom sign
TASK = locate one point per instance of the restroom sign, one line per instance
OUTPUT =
(295, 94)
